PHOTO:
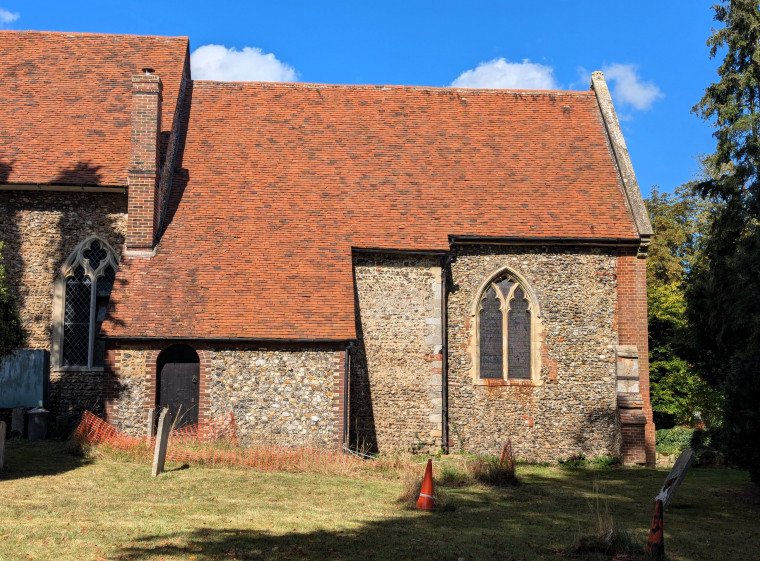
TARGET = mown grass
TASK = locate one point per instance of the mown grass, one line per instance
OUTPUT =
(56, 507)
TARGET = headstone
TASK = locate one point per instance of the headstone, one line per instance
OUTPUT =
(2, 444)
(151, 432)
(674, 478)
(17, 421)
(159, 455)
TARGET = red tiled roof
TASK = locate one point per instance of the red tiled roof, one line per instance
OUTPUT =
(280, 181)
(65, 103)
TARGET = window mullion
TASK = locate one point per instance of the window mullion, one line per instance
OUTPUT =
(91, 343)
(504, 337)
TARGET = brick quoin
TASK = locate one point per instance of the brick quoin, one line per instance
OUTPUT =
(638, 439)
(143, 207)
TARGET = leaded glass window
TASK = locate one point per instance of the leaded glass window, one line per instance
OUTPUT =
(89, 274)
(505, 323)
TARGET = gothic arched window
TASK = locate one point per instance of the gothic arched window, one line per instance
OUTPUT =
(506, 331)
(82, 299)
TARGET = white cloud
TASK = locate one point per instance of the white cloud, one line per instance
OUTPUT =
(628, 88)
(217, 62)
(499, 73)
(583, 79)
(7, 17)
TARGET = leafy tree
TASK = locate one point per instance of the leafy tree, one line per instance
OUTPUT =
(723, 298)
(679, 395)
(11, 331)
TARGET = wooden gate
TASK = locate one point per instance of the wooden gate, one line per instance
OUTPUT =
(178, 369)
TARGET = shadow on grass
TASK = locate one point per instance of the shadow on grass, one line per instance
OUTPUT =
(511, 523)
(540, 519)
(32, 459)
(435, 537)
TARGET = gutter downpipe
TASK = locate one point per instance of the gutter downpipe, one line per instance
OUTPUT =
(445, 262)
(346, 392)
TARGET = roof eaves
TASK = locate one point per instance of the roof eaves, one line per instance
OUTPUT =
(64, 188)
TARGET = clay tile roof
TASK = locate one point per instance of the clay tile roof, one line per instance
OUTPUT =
(278, 182)
(65, 103)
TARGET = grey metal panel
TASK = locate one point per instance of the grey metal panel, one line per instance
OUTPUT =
(24, 378)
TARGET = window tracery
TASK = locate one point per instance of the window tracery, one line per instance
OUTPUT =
(506, 331)
(88, 277)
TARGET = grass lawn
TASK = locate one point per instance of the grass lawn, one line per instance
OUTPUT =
(57, 507)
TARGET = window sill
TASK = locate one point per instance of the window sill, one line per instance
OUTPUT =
(79, 369)
(495, 382)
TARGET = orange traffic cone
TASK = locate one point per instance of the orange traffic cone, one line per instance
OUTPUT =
(656, 542)
(426, 501)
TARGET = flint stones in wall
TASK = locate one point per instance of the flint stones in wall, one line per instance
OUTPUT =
(396, 362)
(40, 230)
(573, 408)
(276, 396)
(131, 394)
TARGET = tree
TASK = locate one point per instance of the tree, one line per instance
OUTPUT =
(11, 330)
(679, 395)
(723, 296)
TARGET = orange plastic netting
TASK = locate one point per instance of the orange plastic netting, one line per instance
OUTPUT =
(216, 442)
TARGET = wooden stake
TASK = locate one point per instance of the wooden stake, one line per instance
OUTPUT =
(162, 440)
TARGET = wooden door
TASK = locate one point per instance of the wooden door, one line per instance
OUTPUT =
(179, 389)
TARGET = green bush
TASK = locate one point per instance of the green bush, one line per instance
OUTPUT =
(673, 441)
(706, 446)
(581, 461)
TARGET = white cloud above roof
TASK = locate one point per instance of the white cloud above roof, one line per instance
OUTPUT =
(628, 88)
(217, 62)
(7, 17)
(502, 74)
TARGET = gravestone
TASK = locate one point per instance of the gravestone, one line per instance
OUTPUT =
(17, 422)
(159, 455)
(674, 478)
(2, 444)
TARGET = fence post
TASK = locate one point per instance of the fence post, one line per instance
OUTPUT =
(159, 455)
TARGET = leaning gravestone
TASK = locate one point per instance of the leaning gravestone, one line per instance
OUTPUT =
(162, 440)
(151, 432)
(17, 422)
(674, 478)
(2, 444)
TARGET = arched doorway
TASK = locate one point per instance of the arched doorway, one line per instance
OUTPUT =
(178, 369)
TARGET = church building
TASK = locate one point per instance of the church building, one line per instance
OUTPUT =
(375, 267)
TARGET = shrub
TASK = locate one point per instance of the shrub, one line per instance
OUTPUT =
(581, 461)
(673, 441)
(450, 474)
(706, 446)
(491, 471)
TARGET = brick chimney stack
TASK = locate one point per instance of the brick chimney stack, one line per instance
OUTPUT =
(144, 208)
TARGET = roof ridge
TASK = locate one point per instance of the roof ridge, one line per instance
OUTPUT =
(319, 85)
(90, 34)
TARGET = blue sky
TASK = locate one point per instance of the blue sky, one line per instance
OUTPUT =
(654, 55)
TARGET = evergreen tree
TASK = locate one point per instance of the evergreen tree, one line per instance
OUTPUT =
(11, 331)
(723, 297)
